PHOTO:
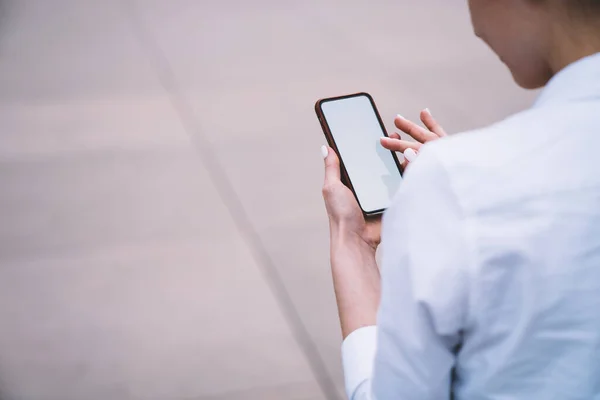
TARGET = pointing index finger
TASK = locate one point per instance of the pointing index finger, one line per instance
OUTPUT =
(399, 145)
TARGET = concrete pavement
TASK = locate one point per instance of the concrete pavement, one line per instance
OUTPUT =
(162, 234)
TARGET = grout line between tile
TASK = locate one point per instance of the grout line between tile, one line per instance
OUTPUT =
(227, 194)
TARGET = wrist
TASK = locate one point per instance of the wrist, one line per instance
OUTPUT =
(342, 234)
(356, 278)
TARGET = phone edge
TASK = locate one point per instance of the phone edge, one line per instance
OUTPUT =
(331, 142)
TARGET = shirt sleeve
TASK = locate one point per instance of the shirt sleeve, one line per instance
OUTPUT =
(358, 354)
(424, 300)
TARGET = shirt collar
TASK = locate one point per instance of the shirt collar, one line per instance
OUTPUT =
(578, 81)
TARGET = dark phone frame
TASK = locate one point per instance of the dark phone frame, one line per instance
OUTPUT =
(331, 142)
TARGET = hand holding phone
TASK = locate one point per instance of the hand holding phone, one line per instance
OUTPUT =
(353, 129)
(345, 215)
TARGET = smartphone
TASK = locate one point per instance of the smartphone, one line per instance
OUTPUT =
(353, 128)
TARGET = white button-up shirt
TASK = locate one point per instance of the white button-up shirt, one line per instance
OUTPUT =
(491, 261)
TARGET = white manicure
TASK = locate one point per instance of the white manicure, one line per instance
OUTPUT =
(410, 155)
(324, 151)
(400, 116)
(428, 111)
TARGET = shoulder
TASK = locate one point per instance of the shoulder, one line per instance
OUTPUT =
(474, 163)
(491, 145)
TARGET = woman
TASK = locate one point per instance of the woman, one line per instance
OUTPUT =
(490, 275)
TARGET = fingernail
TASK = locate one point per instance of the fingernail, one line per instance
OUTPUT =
(427, 111)
(324, 151)
(400, 116)
(410, 155)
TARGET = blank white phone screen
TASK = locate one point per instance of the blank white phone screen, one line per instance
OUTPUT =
(371, 168)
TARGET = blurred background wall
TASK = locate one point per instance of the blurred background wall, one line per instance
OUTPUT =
(162, 234)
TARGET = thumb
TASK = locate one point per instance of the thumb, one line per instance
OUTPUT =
(332, 165)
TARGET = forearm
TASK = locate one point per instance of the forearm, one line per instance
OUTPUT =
(356, 280)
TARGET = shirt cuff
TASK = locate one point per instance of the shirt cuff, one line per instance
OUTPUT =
(358, 356)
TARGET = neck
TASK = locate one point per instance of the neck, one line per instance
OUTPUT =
(571, 43)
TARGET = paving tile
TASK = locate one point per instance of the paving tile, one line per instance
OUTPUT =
(59, 128)
(66, 49)
(275, 184)
(258, 111)
(74, 202)
(300, 252)
(297, 391)
(226, 44)
(402, 32)
(162, 320)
